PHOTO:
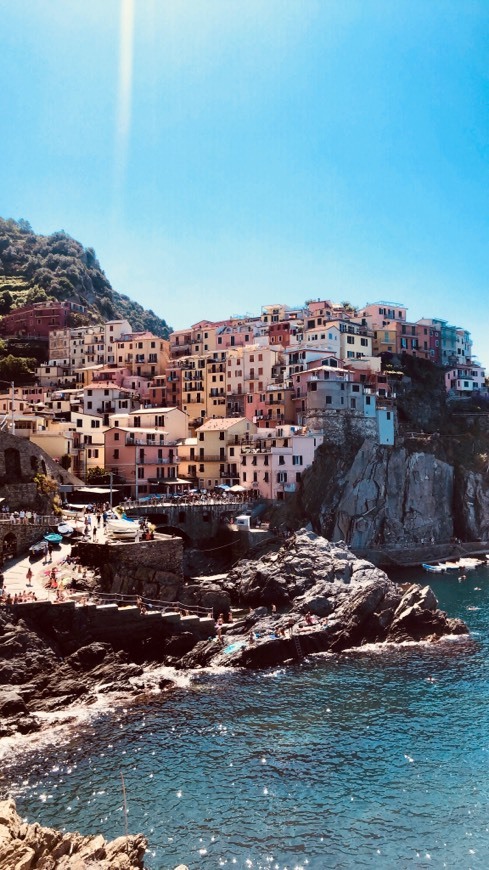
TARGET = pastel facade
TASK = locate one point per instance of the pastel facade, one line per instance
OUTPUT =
(273, 461)
(464, 379)
(214, 438)
(142, 458)
(37, 320)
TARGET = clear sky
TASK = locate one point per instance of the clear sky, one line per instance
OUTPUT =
(226, 154)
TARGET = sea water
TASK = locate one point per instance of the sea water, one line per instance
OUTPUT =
(377, 758)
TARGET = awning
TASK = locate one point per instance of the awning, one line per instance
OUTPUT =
(96, 490)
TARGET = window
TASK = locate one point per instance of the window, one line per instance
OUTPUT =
(297, 460)
(221, 436)
(116, 436)
(95, 424)
(140, 472)
(116, 453)
(350, 339)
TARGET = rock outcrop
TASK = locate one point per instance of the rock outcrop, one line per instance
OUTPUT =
(26, 846)
(427, 489)
(37, 677)
(318, 597)
(392, 496)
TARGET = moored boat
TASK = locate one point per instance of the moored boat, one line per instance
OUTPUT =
(53, 538)
(65, 530)
(433, 569)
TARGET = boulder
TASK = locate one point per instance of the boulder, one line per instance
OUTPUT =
(25, 846)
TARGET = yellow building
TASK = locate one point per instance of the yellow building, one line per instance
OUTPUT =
(214, 440)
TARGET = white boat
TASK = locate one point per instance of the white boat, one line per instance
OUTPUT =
(469, 564)
(66, 530)
(122, 529)
(433, 569)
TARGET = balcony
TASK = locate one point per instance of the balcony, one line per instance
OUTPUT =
(142, 442)
(159, 460)
(209, 458)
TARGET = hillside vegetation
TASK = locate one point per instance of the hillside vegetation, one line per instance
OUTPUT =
(35, 268)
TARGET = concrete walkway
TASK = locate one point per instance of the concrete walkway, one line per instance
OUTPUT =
(15, 571)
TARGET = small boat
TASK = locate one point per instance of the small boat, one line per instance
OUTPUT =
(452, 567)
(433, 569)
(53, 538)
(122, 529)
(65, 530)
(37, 550)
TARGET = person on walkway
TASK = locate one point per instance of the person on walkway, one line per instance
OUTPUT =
(50, 551)
(29, 576)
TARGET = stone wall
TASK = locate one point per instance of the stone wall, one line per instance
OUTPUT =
(162, 553)
(16, 538)
(20, 460)
(75, 625)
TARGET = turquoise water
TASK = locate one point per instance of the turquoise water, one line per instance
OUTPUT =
(365, 760)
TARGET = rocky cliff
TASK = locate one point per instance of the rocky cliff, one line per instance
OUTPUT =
(375, 497)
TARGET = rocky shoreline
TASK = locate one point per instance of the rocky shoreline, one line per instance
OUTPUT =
(24, 846)
(316, 596)
(309, 596)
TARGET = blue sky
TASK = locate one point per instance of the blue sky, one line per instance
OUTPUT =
(226, 154)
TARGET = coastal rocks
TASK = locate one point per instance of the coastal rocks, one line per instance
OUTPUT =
(24, 846)
(36, 677)
(472, 506)
(331, 601)
(393, 496)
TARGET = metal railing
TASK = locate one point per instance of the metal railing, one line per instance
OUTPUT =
(47, 520)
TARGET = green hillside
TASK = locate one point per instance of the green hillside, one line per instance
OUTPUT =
(34, 268)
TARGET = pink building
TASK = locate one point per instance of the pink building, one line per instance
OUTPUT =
(142, 459)
(273, 460)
